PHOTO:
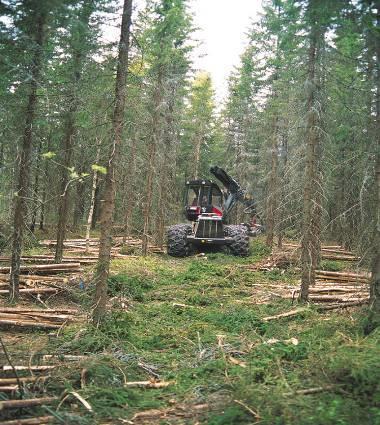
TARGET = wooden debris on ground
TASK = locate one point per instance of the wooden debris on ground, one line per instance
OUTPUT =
(149, 384)
(18, 404)
(48, 258)
(38, 420)
(289, 255)
(179, 412)
(119, 242)
(49, 269)
(36, 318)
(291, 313)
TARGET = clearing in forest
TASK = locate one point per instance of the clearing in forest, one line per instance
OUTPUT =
(195, 340)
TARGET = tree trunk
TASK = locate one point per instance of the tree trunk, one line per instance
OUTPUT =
(272, 192)
(197, 153)
(102, 270)
(310, 244)
(92, 201)
(36, 202)
(130, 193)
(374, 310)
(156, 129)
(70, 129)
(24, 161)
(45, 186)
(68, 145)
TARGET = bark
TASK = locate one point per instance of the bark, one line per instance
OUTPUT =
(156, 129)
(24, 161)
(80, 193)
(95, 214)
(166, 173)
(197, 153)
(70, 131)
(36, 202)
(45, 187)
(102, 270)
(273, 182)
(310, 244)
(130, 193)
(374, 310)
(92, 202)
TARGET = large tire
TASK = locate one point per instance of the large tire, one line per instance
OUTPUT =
(177, 240)
(240, 240)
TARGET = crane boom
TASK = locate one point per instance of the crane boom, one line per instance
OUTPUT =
(235, 193)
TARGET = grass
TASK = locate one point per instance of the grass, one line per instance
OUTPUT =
(183, 344)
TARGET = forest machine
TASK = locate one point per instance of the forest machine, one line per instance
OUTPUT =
(208, 208)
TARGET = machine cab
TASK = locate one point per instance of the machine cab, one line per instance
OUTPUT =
(202, 197)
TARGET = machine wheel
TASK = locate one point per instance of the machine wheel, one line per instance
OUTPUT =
(240, 240)
(177, 240)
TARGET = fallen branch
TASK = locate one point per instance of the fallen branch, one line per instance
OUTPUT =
(311, 390)
(287, 314)
(251, 411)
(149, 384)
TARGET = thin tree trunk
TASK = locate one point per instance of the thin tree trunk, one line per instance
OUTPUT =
(45, 186)
(68, 145)
(151, 158)
(36, 202)
(310, 244)
(149, 196)
(92, 202)
(77, 40)
(197, 154)
(102, 270)
(272, 192)
(130, 194)
(24, 162)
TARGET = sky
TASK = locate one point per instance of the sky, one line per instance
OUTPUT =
(223, 25)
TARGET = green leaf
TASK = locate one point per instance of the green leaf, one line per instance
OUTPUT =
(99, 169)
(48, 155)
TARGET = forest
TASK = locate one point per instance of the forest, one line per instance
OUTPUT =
(254, 298)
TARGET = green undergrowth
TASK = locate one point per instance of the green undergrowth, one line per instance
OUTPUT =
(190, 321)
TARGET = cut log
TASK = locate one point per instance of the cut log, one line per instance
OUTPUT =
(322, 298)
(8, 388)
(342, 274)
(46, 268)
(22, 380)
(67, 357)
(342, 305)
(31, 368)
(30, 421)
(17, 404)
(26, 324)
(37, 310)
(32, 291)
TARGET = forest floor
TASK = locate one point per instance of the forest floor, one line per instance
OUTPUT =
(196, 327)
